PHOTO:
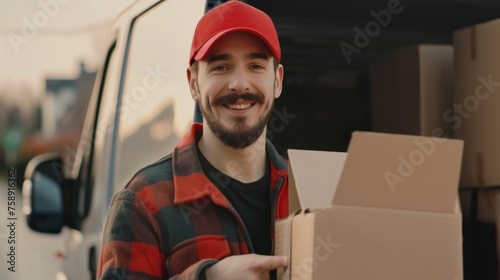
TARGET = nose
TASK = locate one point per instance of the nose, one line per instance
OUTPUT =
(239, 81)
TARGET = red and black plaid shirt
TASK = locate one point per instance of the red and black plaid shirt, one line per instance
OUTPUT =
(171, 222)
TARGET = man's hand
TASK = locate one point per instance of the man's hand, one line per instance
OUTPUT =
(245, 267)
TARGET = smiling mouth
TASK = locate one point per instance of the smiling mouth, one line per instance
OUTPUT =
(241, 106)
(238, 101)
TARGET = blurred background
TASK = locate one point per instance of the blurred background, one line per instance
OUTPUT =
(48, 61)
(48, 55)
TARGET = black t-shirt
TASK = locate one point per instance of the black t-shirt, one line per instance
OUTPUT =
(251, 201)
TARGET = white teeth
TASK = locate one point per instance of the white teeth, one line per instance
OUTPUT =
(239, 106)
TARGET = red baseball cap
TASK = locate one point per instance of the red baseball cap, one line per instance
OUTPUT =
(233, 16)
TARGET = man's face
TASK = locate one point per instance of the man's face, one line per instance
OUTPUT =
(235, 85)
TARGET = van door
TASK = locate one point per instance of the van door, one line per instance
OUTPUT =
(156, 105)
(143, 106)
(93, 169)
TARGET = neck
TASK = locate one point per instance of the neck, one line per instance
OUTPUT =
(246, 165)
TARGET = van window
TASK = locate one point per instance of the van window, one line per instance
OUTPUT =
(103, 109)
(156, 105)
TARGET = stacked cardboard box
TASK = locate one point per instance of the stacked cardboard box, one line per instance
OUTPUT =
(477, 101)
(411, 90)
(475, 120)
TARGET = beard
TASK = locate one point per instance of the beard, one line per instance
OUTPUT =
(240, 135)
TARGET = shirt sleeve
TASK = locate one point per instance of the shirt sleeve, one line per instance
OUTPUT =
(131, 245)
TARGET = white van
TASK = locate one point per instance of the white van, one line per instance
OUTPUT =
(141, 104)
(140, 107)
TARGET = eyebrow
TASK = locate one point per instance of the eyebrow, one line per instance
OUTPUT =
(223, 57)
(257, 56)
(219, 57)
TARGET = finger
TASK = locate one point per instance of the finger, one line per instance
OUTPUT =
(273, 262)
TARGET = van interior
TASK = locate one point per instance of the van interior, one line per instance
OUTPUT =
(326, 92)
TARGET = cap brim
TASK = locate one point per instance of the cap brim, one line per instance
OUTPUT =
(202, 52)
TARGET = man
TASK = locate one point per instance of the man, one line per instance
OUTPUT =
(207, 211)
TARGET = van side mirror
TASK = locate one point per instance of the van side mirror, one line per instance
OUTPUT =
(43, 202)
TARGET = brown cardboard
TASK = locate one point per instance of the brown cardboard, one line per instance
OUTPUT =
(475, 115)
(403, 180)
(365, 232)
(411, 88)
(476, 111)
(327, 166)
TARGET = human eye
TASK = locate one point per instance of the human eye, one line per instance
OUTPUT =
(257, 66)
(218, 68)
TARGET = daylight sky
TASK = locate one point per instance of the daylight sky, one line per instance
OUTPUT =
(49, 38)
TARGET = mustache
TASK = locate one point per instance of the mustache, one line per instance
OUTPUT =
(233, 97)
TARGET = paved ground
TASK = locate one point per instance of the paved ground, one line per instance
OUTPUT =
(35, 252)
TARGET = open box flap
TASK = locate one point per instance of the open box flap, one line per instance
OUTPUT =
(313, 177)
(401, 172)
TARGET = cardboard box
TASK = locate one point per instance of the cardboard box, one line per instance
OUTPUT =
(388, 210)
(476, 111)
(411, 89)
(475, 117)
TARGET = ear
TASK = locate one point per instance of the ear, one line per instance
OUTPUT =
(193, 85)
(278, 81)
